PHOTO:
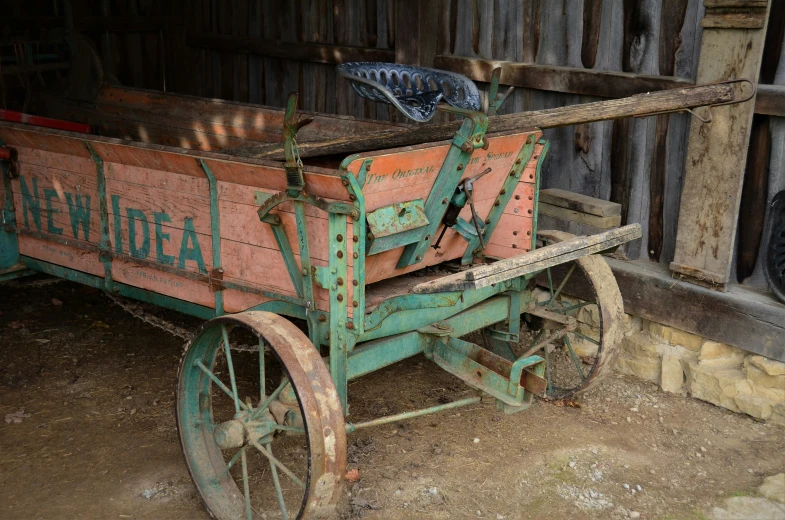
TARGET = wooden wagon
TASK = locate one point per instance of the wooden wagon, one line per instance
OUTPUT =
(376, 256)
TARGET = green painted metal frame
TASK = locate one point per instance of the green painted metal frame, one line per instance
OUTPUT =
(215, 229)
(9, 243)
(468, 138)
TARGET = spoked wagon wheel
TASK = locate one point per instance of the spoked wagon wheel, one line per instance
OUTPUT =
(260, 423)
(578, 359)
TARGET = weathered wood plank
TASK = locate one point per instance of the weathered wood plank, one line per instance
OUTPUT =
(561, 79)
(579, 202)
(770, 100)
(579, 217)
(715, 161)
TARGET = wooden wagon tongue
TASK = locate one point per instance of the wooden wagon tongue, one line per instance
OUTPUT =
(640, 105)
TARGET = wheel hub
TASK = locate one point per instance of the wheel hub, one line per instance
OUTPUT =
(241, 431)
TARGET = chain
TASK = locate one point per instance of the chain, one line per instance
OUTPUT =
(136, 310)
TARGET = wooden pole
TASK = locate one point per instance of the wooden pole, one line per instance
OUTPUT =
(633, 106)
(732, 47)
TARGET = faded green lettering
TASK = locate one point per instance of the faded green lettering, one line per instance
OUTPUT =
(135, 215)
(190, 253)
(51, 212)
(31, 203)
(118, 232)
(80, 215)
(160, 236)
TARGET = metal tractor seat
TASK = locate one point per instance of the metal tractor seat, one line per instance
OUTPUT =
(415, 91)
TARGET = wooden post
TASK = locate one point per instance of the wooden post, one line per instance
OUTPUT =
(416, 31)
(732, 47)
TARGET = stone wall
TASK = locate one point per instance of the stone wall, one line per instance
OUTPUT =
(686, 364)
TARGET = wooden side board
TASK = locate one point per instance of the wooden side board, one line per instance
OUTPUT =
(194, 123)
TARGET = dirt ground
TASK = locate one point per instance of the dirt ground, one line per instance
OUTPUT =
(88, 396)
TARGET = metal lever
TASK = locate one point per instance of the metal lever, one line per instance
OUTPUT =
(463, 194)
(294, 165)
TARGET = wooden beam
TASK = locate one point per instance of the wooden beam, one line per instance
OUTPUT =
(300, 51)
(633, 106)
(580, 202)
(569, 80)
(742, 317)
(770, 100)
(716, 157)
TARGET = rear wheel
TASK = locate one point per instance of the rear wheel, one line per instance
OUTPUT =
(260, 423)
(583, 293)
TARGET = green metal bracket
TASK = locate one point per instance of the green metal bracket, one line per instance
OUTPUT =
(497, 210)
(537, 177)
(354, 187)
(388, 225)
(215, 230)
(293, 165)
(9, 241)
(469, 137)
(496, 101)
(104, 247)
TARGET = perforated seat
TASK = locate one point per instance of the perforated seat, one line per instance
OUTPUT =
(415, 91)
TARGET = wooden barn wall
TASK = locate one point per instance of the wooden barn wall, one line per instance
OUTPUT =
(638, 163)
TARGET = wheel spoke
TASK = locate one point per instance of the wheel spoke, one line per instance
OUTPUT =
(231, 462)
(555, 295)
(218, 382)
(548, 369)
(535, 340)
(278, 491)
(246, 491)
(570, 308)
(279, 464)
(574, 357)
(230, 367)
(550, 283)
(269, 400)
(587, 338)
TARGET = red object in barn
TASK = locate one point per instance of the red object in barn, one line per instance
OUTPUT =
(58, 124)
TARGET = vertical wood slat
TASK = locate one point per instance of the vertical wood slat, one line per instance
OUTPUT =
(715, 163)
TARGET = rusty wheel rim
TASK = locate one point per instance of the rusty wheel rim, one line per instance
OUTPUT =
(253, 453)
(582, 358)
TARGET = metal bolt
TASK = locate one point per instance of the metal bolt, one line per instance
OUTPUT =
(355, 255)
(339, 238)
(487, 221)
(459, 167)
(355, 283)
(529, 211)
(512, 173)
(354, 215)
(427, 237)
(304, 272)
(339, 254)
(531, 197)
(497, 202)
(369, 236)
(528, 233)
(352, 196)
(517, 161)
(355, 304)
(444, 201)
(339, 297)
(116, 289)
(418, 257)
(515, 246)
(322, 318)
(344, 182)
(339, 281)
(517, 197)
(355, 239)
(350, 325)
(515, 233)
(467, 147)
(503, 191)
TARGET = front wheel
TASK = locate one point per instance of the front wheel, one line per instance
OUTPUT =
(260, 422)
